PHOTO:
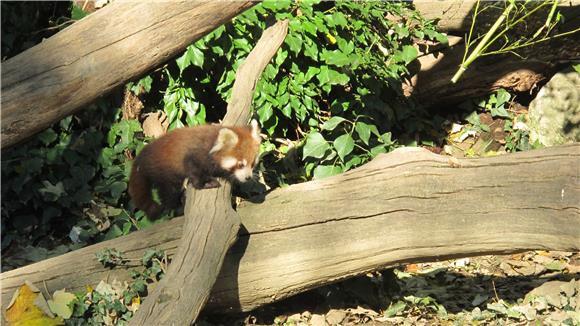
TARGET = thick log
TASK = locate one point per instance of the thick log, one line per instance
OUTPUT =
(405, 206)
(106, 49)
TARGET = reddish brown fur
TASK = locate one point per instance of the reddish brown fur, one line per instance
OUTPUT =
(184, 153)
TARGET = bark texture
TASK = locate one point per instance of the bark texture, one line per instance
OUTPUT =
(106, 49)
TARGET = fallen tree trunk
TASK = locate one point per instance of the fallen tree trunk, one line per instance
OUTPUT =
(93, 56)
(405, 206)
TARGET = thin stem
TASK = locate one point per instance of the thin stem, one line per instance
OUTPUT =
(510, 26)
(513, 47)
(477, 52)
(468, 43)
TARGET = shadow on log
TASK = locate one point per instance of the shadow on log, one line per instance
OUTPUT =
(406, 206)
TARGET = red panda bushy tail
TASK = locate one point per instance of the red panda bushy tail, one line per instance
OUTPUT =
(140, 192)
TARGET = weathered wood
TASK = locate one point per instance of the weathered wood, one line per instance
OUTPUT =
(211, 225)
(104, 50)
(405, 206)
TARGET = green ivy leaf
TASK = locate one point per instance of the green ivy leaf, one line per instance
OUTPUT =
(311, 72)
(311, 51)
(335, 58)
(117, 188)
(325, 171)
(363, 130)
(339, 19)
(331, 77)
(331, 123)
(409, 53)
(77, 12)
(265, 113)
(345, 47)
(309, 27)
(142, 86)
(386, 138)
(500, 111)
(295, 43)
(344, 145)
(502, 96)
(395, 308)
(378, 150)
(281, 56)
(47, 136)
(196, 56)
(315, 146)
(52, 192)
(276, 5)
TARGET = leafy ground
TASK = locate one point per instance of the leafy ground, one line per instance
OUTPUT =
(536, 287)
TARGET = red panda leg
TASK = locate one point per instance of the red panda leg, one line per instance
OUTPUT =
(170, 195)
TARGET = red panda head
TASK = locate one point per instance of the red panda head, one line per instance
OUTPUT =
(236, 150)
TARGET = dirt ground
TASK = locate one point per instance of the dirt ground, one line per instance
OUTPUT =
(530, 288)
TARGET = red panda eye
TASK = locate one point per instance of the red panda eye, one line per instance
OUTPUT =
(241, 165)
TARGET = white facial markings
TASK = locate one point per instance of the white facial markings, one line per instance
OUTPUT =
(228, 162)
(244, 174)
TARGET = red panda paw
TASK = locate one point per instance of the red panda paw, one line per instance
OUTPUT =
(213, 183)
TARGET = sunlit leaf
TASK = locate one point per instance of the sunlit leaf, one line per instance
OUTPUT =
(344, 144)
(315, 146)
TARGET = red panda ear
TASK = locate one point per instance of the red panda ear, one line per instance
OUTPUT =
(255, 130)
(226, 138)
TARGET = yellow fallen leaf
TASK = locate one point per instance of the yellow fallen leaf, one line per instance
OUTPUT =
(135, 304)
(29, 308)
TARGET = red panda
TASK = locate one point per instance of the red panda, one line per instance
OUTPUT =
(200, 154)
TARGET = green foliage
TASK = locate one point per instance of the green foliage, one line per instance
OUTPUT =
(515, 123)
(333, 90)
(110, 257)
(77, 167)
(114, 304)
